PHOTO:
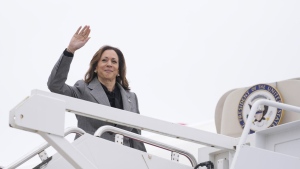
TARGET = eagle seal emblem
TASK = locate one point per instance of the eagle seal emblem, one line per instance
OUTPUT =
(265, 116)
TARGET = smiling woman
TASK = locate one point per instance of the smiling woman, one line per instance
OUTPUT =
(105, 83)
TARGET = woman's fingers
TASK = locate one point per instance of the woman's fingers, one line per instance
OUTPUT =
(87, 32)
(83, 31)
(78, 30)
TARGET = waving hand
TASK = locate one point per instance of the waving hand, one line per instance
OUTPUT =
(79, 39)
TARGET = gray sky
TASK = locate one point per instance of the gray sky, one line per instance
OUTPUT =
(182, 56)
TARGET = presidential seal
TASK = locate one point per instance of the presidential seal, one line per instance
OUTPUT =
(265, 116)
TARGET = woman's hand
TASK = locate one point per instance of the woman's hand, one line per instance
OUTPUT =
(79, 39)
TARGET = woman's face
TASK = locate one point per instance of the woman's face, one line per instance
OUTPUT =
(108, 66)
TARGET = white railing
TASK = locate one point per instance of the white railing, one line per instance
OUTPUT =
(54, 105)
(41, 148)
(27, 116)
(252, 112)
(137, 137)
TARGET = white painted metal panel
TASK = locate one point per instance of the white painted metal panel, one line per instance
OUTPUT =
(69, 152)
(283, 139)
(251, 157)
(40, 112)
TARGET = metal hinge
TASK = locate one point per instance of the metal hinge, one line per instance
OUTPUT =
(175, 156)
(119, 138)
(43, 155)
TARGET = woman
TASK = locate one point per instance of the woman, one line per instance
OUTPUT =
(105, 83)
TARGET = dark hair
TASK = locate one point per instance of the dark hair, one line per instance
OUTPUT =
(90, 74)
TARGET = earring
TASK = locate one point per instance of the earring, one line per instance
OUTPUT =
(118, 74)
(95, 71)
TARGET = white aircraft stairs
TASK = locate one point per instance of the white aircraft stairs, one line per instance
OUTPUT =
(41, 110)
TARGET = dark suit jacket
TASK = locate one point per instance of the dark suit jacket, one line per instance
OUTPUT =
(95, 93)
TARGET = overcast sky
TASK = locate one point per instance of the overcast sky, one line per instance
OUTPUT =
(182, 56)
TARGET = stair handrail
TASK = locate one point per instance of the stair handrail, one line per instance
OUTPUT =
(143, 139)
(252, 112)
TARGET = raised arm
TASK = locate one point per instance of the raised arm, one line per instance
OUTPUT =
(56, 82)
